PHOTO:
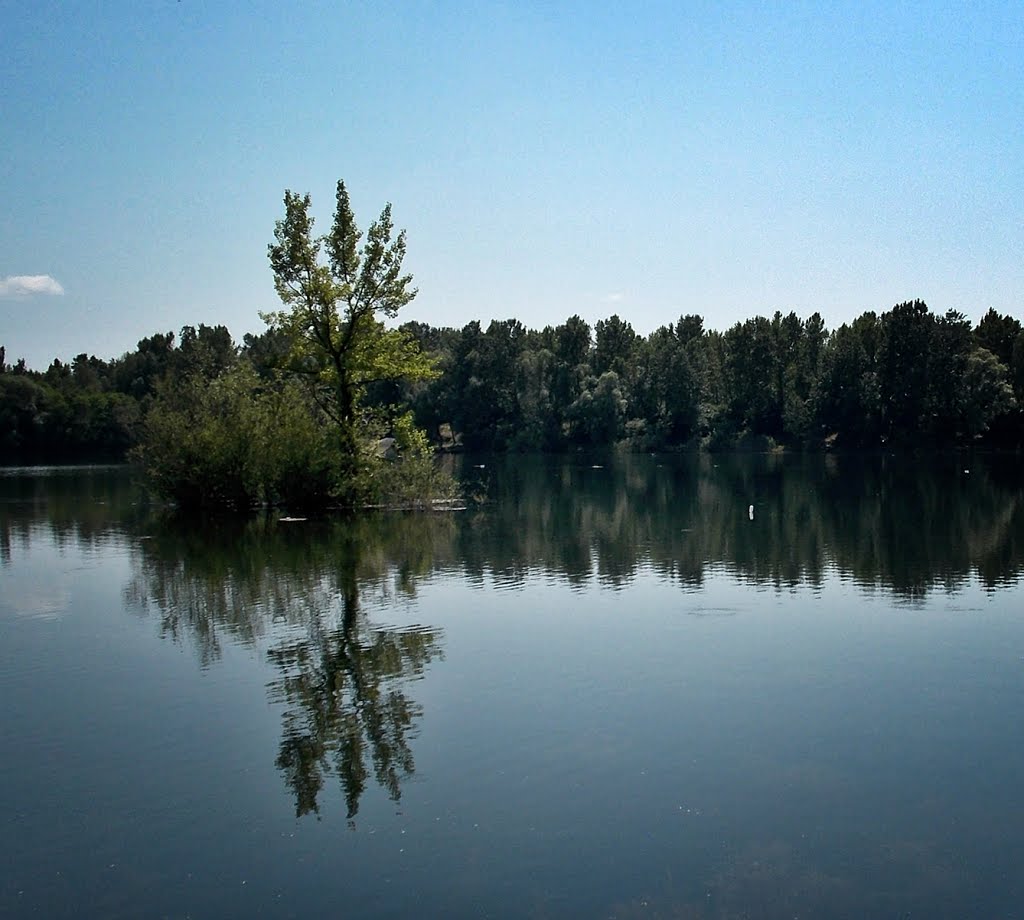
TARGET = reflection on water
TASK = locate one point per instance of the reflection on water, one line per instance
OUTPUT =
(600, 721)
(83, 506)
(903, 524)
(296, 588)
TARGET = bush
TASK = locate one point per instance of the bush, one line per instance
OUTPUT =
(232, 441)
(412, 478)
(237, 441)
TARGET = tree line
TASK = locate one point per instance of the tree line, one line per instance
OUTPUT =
(903, 378)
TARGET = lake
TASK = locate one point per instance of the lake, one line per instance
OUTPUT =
(696, 687)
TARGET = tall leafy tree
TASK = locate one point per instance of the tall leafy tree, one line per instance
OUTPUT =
(788, 407)
(668, 391)
(947, 368)
(752, 378)
(987, 393)
(615, 343)
(207, 351)
(337, 295)
(597, 415)
(484, 383)
(138, 372)
(997, 334)
(805, 376)
(541, 427)
(1003, 337)
(846, 403)
(906, 337)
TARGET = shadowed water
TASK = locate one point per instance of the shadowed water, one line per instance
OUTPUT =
(710, 687)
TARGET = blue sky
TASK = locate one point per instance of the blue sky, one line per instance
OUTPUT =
(546, 159)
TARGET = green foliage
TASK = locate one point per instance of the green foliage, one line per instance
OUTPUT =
(667, 389)
(899, 379)
(208, 351)
(138, 373)
(846, 398)
(40, 421)
(598, 414)
(408, 474)
(485, 388)
(332, 340)
(997, 334)
(905, 378)
(1017, 367)
(903, 369)
(539, 425)
(196, 446)
(297, 431)
(23, 403)
(614, 346)
(336, 294)
(752, 372)
(230, 442)
(987, 393)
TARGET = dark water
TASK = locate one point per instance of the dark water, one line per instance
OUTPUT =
(603, 692)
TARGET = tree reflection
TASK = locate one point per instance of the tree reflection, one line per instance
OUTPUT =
(899, 523)
(309, 593)
(300, 589)
(344, 687)
(85, 506)
(904, 524)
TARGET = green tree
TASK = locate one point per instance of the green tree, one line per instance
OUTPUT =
(208, 351)
(227, 441)
(903, 369)
(804, 378)
(987, 393)
(1017, 366)
(571, 349)
(481, 390)
(138, 372)
(540, 427)
(788, 408)
(752, 377)
(667, 392)
(997, 334)
(598, 414)
(615, 344)
(846, 404)
(334, 320)
(948, 355)
(23, 408)
(496, 381)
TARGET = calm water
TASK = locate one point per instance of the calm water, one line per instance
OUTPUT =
(603, 692)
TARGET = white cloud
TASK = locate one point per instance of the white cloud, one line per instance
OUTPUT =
(29, 285)
(614, 297)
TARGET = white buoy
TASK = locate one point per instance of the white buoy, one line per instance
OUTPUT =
(750, 512)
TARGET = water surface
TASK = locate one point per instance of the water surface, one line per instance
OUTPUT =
(609, 689)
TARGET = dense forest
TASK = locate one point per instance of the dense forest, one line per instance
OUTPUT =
(904, 378)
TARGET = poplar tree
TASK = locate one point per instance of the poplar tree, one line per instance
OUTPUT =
(337, 295)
